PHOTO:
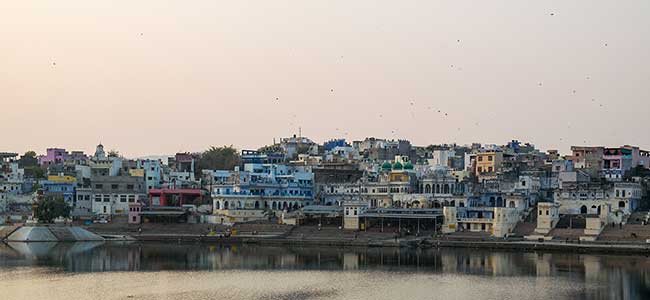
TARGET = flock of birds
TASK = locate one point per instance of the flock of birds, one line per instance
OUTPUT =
(429, 108)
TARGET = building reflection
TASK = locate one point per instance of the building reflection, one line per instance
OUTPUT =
(602, 276)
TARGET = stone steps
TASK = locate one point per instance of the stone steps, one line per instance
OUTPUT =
(5, 231)
(62, 234)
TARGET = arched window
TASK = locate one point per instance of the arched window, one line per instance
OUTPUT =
(583, 209)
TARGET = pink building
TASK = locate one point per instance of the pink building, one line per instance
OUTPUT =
(54, 156)
(134, 213)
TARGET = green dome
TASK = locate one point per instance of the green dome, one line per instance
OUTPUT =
(386, 166)
(397, 166)
(408, 166)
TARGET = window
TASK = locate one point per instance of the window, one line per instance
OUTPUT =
(149, 178)
(131, 198)
(480, 169)
(99, 186)
(122, 198)
(480, 158)
(490, 169)
(129, 187)
(547, 212)
(114, 186)
(523, 183)
(490, 158)
(107, 198)
(98, 198)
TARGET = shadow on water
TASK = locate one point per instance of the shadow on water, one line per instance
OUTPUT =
(604, 276)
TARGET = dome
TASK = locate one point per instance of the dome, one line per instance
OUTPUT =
(386, 166)
(408, 166)
(397, 166)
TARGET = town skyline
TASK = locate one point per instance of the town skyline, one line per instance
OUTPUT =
(111, 147)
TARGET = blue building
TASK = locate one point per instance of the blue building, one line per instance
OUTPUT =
(152, 173)
(331, 144)
(65, 189)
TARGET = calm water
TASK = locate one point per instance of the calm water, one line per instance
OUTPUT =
(172, 271)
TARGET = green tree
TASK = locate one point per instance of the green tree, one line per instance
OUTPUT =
(219, 158)
(52, 207)
(113, 153)
(29, 159)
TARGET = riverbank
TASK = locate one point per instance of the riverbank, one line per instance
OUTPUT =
(409, 242)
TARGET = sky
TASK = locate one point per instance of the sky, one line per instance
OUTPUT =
(158, 77)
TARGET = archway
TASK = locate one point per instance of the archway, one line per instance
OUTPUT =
(621, 204)
(257, 205)
(274, 205)
(511, 204)
(583, 209)
(217, 205)
(500, 202)
(225, 205)
(427, 189)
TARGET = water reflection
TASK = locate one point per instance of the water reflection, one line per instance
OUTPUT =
(604, 277)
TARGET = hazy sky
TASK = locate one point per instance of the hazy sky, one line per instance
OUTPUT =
(156, 77)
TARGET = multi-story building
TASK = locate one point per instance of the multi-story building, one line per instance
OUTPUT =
(262, 187)
(65, 186)
(112, 194)
(53, 156)
(488, 163)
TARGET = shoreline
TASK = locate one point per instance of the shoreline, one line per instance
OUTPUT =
(416, 243)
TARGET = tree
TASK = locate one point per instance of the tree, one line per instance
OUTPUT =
(219, 158)
(51, 207)
(113, 153)
(28, 160)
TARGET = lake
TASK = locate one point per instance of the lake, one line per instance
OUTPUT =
(197, 271)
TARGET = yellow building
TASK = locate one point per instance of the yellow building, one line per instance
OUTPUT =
(136, 172)
(488, 162)
(61, 179)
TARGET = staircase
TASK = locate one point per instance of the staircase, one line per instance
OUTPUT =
(629, 233)
(528, 225)
(571, 222)
(62, 234)
(637, 218)
(5, 231)
(566, 234)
